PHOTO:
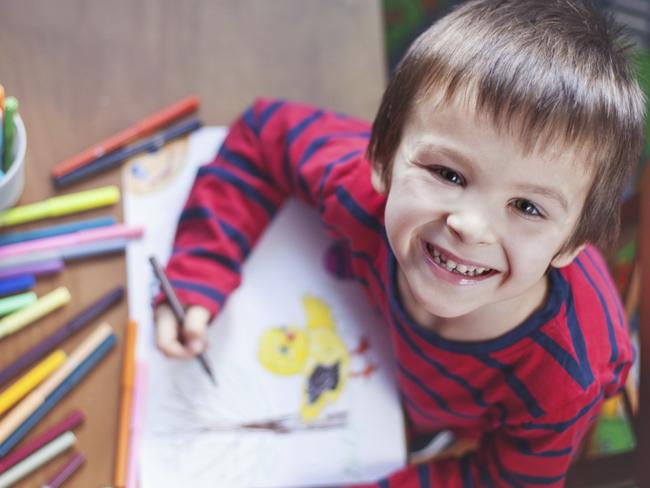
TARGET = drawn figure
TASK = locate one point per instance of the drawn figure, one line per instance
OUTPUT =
(316, 352)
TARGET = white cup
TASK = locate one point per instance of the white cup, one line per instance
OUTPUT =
(13, 182)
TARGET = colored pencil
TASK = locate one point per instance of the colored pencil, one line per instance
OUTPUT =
(16, 284)
(126, 403)
(116, 158)
(82, 319)
(137, 419)
(177, 308)
(17, 434)
(121, 139)
(73, 239)
(14, 303)
(11, 106)
(31, 380)
(56, 230)
(43, 306)
(62, 443)
(69, 422)
(40, 268)
(74, 462)
(61, 205)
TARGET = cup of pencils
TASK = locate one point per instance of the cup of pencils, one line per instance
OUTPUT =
(13, 144)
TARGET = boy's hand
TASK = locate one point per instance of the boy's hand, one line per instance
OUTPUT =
(186, 343)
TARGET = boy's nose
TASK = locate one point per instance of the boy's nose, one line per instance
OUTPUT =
(471, 226)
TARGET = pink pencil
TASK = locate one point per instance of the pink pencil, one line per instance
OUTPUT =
(76, 238)
(69, 422)
(139, 398)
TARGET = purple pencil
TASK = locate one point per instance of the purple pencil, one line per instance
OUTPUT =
(70, 422)
(40, 268)
(57, 337)
(76, 460)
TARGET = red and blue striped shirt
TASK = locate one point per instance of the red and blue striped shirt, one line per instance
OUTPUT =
(527, 397)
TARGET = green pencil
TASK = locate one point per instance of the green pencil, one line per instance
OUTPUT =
(11, 105)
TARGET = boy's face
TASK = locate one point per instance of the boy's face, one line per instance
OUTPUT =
(473, 222)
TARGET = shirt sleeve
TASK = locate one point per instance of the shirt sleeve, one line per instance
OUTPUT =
(275, 149)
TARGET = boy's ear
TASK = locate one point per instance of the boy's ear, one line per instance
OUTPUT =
(566, 258)
(377, 180)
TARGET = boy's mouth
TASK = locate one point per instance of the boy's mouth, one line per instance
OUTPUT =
(462, 269)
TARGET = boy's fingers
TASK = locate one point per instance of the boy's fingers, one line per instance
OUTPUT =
(167, 334)
(194, 329)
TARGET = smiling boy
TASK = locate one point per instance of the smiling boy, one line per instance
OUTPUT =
(470, 212)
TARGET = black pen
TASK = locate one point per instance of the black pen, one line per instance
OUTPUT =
(116, 158)
(177, 308)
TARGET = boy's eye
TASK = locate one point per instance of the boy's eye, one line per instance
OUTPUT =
(449, 175)
(527, 207)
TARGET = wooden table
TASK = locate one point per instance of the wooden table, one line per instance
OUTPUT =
(85, 69)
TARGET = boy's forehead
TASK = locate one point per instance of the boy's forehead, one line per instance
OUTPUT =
(432, 113)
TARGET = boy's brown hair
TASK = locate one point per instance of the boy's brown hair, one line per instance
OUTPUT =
(554, 73)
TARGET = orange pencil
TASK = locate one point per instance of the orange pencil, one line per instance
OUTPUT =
(128, 375)
(2, 99)
(140, 129)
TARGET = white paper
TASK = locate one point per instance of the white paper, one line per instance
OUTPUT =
(201, 436)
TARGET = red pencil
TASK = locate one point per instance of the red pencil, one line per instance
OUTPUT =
(140, 129)
(71, 421)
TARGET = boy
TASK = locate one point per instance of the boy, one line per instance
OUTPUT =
(497, 158)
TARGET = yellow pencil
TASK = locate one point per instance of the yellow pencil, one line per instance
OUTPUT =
(25, 316)
(32, 401)
(31, 380)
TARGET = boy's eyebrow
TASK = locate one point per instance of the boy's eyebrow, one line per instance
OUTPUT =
(546, 192)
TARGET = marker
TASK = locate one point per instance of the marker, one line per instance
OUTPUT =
(16, 284)
(72, 420)
(2, 116)
(62, 205)
(39, 402)
(117, 157)
(16, 302)
(56, 230)
(73, 253)
(31, 380)
(121, 139)
(11, 106)
(40, 268)
(177, 308)
(43, 306)
(68, 469)
(72, 239)
(126, 404)
(62, 443)
(79, 321)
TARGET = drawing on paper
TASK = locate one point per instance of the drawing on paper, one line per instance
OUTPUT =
(316, 352)
(151, 172)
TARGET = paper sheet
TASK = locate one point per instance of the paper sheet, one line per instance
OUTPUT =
(259, 428)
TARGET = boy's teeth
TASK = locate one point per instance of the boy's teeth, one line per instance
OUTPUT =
(453, 266)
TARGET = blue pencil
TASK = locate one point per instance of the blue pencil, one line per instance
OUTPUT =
(56, 230)
(70, 382)
(17, 284)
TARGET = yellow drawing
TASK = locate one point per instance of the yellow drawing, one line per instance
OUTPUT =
(316, 352)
